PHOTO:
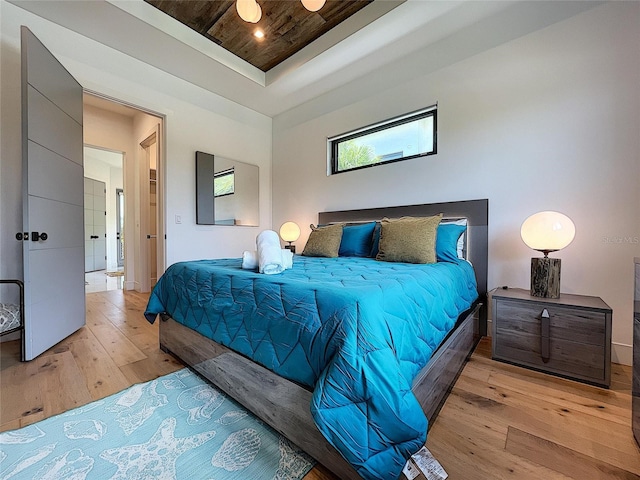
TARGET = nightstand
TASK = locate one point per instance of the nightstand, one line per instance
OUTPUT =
(568, 336)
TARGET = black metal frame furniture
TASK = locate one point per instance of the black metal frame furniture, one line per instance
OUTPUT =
(19, 328)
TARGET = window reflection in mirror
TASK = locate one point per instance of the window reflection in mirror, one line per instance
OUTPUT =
(226, 191)
(224, 183)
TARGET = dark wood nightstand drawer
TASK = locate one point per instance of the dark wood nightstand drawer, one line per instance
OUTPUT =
(576, 325)
(570, 336)
(578, 360)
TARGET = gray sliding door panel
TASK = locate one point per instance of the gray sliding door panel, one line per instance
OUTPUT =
(52, 198)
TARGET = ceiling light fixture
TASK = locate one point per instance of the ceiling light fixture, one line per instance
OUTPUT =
(250, 11)
(313, 5)
(258, 34)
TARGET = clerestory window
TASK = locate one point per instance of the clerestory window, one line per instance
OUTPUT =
(402, 138)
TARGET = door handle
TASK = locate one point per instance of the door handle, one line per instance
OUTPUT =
(22, 236)
(545, 335)
(35, 236)
(94, 236)
(152, 236)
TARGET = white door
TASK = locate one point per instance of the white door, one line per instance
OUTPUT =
(53, 250)
(95, 225)
(149, 216)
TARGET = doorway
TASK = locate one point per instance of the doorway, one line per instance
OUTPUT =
(150, 147)
(112, 125)
(103, 171)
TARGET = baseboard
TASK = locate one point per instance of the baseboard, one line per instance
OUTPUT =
(620, 352)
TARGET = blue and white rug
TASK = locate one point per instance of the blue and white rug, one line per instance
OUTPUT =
(174, 427)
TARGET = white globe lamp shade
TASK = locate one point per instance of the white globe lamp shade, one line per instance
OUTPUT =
(313, 5)
(547, 231)
(289, 231)
(249, 10)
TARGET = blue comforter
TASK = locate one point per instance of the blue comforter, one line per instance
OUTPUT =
(356, 330)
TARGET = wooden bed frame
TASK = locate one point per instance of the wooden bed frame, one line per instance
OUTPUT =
(283, 404)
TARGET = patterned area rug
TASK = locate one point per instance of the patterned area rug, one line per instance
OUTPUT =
(174, 427)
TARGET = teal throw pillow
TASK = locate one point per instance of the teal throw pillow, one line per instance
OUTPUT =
(447, 241)
(356, 240)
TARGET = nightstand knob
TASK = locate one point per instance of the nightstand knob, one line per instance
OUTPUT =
(545, 335)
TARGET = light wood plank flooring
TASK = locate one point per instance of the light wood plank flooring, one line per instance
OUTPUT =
(500, 421)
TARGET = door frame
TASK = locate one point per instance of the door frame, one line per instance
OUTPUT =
(120, 214)
(150, 138)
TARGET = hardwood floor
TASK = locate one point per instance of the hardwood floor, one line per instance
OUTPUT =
(115, 349)
(500, 421)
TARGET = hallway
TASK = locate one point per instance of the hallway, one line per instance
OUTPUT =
(99, 281)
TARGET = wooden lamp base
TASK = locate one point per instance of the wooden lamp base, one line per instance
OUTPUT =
(545, 277)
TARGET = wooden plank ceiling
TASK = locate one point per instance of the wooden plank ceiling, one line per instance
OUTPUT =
(287, 25)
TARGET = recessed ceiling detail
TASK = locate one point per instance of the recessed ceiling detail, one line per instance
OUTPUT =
(287, 25)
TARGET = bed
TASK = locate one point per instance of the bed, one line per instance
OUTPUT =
(398, 378)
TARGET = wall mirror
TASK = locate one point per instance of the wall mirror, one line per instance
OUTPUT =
(226, 191)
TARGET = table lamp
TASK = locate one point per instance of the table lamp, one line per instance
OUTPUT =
(547, 232)
(290, 232)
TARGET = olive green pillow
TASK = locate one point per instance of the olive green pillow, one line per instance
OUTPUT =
(323, 241)
(408, 239)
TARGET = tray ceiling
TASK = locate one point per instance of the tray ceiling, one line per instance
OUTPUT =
(287, 25)
(380, 47)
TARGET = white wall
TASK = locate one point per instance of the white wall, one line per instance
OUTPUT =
(195, 120)
(549, 121)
